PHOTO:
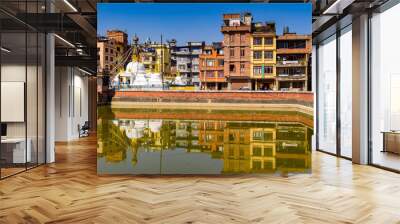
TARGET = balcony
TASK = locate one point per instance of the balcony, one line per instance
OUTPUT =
(285, 76)
(290, 63)
(263, 76)
(213, 78)
(305, 50)
(242, 28)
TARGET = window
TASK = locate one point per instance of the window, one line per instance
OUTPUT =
(327, 95)
(220, 74)
(257, 41)
(385, 88)
(106, 58)
(268, 41)
(346, 92)
(242, 38)
(242, 52)
(268, 54)
(210, 74)
(257, 54)
(111, 59)
(232, 52)
(111, 51)
(242, 67)
(297, 85)
(106, 50)
(232, 68)
(257, 70)
(220, 62)
(268, 69)
(258, 135)
(268, 151)
(118, 49)
(257, 151)
(210, 62)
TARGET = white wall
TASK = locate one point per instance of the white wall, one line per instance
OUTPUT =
(71, 102)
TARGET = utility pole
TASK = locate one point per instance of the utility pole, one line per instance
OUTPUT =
(162, 62)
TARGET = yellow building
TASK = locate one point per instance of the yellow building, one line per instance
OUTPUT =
(263, 57)
(262, 149)
(157, 59)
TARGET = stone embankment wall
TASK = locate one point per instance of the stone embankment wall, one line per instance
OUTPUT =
(239, 97)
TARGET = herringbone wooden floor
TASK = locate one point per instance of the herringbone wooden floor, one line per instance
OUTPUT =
(69, 191)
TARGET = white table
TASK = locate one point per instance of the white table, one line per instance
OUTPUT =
(19, 153)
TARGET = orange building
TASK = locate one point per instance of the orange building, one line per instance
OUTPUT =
(212, 68)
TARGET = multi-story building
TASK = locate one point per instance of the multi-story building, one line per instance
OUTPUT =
(236, 148)
(110, 50)
(187, 61)
(106, 54)
(172, 51)
(237, 41)
(263, 148)
(211, 136)
(121, 40)
(257, 59)
(293, 54)
(293, 147)
(263, 56)
(212, 68)
(157, 59)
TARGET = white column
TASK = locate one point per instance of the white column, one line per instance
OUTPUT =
(50, 98)
(360, 90)
(313, 89)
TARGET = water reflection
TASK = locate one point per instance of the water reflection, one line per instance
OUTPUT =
(183, 146)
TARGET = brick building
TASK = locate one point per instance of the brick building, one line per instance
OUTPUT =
(237, 41)
(110, 50)
(106, 54)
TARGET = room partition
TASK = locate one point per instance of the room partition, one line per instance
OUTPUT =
(22, 77)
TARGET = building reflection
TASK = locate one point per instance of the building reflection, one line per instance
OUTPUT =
(244, 147)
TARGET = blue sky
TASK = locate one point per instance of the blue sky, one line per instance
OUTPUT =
(197, 21)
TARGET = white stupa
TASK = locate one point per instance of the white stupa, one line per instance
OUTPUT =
(135, 67)
(178, 81)
(140, 124)
(140, 81)
(155, 125)
(155, 80)
(134, 133)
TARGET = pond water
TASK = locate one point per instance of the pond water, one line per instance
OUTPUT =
(154, 141)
